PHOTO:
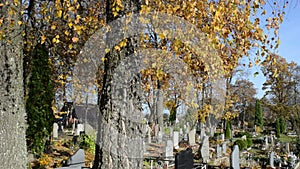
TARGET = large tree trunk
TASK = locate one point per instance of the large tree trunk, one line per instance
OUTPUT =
(13, 152)
(119, 140)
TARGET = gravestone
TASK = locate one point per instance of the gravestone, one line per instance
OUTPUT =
(185, 137)
(287, 147)
(222, 137)
(266, 142)
(176, 139)
(272, 140)
(180, 131)
(171, 132)
(76, 161)
(169, 149)
(219, 151)
(80, 128)
(160, 137)
(224, 148)
(235, 157)
(184, 159)
(192, 137)
(272, 159)
(204, 149)
(55, 130)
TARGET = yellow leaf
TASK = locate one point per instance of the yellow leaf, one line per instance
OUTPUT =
(53, 27)
(66, 33)
(19, 22)
(117, 48)
(70, 25)
(70, 46)
(54, 40)
(59, 13)
(161, 36)
(123, 43)
(43, 39)
(107, 50)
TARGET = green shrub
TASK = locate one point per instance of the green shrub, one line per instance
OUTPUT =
(278, 131)
(249, 142)
(241, 134)
(87, 143)
(241, 143)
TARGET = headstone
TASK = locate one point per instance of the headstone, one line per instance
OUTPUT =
(287, 146)
(192, 137)
(169, 149)
(184, 159)
(272, 159)
(266, 142)
(160, 137)
(76, 161)
(235, 157)
(219, 151)
(80, 128)
(176, 139)
(180, 131)
(171, 131)
(272, 141)
(55, 130)
(224, 148)
(222, 137)
(204, 149)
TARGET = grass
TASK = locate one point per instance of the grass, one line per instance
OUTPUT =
(284, 138)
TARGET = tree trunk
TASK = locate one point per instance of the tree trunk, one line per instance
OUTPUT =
(13, 152)
(159, 107)
(119, 140)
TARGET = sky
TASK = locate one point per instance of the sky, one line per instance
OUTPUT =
(289, 48)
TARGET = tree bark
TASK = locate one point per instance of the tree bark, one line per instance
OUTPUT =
(13, 153)
(119, 139)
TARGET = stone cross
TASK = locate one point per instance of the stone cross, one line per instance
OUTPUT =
(235, 157)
